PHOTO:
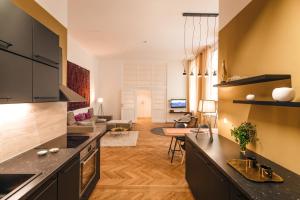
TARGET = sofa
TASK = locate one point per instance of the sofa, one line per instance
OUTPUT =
(84, 122)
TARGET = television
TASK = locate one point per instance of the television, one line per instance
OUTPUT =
(178, 103)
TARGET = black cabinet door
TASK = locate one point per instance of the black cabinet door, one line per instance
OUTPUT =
(15, 78)
(235, 194)
(15, 29)
(45, 45)
(217, 185)
(48, 191)
(68, 181)
(197, 173)
(205, 181)
(45, 83)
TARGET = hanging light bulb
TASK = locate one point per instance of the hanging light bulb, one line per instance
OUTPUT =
(192, 73)
(184, 72)
(206, 74)
(215, 73)
(199, 74)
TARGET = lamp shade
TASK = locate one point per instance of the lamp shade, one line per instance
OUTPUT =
(100, 100)
(207, 106)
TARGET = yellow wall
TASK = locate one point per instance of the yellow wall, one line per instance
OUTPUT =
(37, 12)
(264, 39)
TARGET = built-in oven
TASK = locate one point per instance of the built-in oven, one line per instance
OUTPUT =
(88, 166)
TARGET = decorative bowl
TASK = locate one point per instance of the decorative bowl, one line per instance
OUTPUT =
(283, 94)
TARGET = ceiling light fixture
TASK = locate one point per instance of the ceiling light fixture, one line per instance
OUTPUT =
(200, 15)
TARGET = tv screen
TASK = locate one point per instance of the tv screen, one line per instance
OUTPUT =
(178, 103)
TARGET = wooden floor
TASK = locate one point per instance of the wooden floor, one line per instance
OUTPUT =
(143, 172)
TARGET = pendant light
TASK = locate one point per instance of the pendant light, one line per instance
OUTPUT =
(199, 73)
(206, 46)
(215, 71)
(184, 46)
(206, 74)
(192, 73)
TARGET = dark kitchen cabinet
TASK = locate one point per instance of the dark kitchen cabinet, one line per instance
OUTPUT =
(48, 191)
(45, 45)
(15, 78)
(16, 29)
(235, 194)
(45, 83)
(204, 180)
(68, 181)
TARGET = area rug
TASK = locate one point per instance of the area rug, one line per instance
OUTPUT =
(120, 140)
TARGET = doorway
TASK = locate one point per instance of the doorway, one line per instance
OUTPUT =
(143, 103)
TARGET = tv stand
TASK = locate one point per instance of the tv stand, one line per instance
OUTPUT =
(179, 112)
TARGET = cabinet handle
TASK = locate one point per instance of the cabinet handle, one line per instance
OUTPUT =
(42, 58)
(5, 45)
(5, 98)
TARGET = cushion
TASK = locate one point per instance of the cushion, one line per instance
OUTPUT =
(99, 120)
(70, 118)
(91, 111)
(80, 117)
(185, 119)
(88, 115)
(85, 123)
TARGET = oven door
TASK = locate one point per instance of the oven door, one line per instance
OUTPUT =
(88, 171)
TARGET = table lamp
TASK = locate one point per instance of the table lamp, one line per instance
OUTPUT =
(100, 108)
(208, 107)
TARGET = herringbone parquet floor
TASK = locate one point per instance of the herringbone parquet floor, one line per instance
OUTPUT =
(143, 172)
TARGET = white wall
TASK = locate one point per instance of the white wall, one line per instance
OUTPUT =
(176, 85)
(108, 81)
(83, 58)
(229, 9)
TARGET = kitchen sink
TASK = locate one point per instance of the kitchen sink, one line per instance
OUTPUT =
(11, 183)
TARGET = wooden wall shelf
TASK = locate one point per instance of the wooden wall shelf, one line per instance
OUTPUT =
(255, 79)
(269, 103)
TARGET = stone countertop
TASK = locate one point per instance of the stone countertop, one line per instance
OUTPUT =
(30, 163)
(223, 149)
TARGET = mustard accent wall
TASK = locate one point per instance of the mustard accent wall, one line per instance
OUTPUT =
(37, 12)
(264, 39)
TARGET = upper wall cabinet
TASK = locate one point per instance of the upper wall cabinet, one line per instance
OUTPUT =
(15, 78)
(15, 29)
(45, 45)
(45, 83)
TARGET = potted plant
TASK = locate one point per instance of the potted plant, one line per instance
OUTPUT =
(244, 134)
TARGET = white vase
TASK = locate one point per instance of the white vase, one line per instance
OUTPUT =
(283, 94)
(250, 97)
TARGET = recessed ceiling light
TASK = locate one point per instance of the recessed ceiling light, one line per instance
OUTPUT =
(145, 41)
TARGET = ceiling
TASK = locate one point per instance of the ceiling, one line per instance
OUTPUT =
(138, 29)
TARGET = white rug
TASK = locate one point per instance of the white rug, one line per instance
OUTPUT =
(120, 140)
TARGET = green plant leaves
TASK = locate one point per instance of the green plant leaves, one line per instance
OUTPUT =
(244, 134)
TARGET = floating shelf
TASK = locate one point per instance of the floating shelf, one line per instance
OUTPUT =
(255, 79)
(269, 103)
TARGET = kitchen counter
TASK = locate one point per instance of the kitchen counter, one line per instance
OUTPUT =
(222, 150)
(30, 163)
